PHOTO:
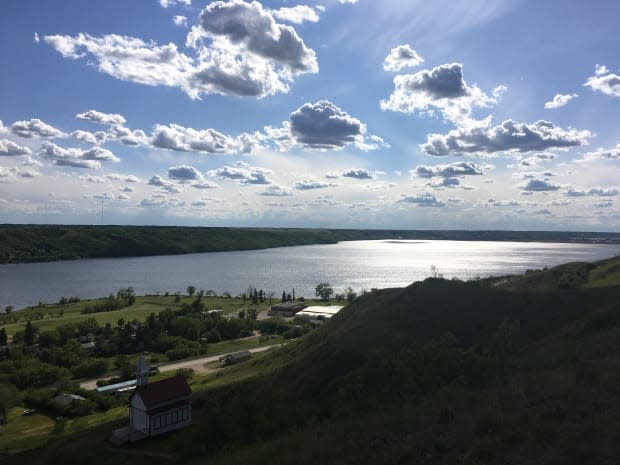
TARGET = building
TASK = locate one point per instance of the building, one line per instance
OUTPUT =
(286, 309)
(159, 407)
(237, 357)
(64, 399)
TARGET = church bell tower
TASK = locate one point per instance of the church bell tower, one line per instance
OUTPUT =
(142, 372)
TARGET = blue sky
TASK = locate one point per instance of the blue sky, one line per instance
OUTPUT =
(473, 114)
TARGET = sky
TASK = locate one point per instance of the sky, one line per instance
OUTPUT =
(444, 114)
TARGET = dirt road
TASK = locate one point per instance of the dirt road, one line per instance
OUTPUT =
(198, 365)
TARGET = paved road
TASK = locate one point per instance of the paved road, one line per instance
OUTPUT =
(198, 365)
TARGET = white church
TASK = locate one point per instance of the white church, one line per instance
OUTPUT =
(159, 407)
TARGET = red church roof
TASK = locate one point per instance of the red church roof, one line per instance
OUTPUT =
(166, 390)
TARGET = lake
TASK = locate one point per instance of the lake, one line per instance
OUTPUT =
(358, 264)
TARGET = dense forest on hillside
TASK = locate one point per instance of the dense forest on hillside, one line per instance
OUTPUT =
(510, 370)
(39, 243)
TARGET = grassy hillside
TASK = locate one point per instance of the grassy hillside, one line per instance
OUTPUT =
(498, 371)
(37, 243)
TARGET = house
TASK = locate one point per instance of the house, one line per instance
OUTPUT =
(286, 309)
(237, 357)
(159, 407)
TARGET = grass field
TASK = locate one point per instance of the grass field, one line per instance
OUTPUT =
(143, 307)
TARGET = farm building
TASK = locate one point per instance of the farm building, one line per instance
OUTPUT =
(159, 407)
(64, 399)
(323, 312)
(286, 309)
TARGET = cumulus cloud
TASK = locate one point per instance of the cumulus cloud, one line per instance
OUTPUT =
(11, 149)
(604, 81)
(423, 199)
(179, 138)
(35, 128)
(243, 173)
(503, 203)
(442, 89)
(167, 186)
(76, 158)
(539, 185)
(127, 136)
(180, 20)
(101, 118)
(559, 101)
(603, 204)
(276, 191)
(507, 137)
(598, 191)
(296, 14)
(122, 177)
(604, 154)
(401, 57)
(311, 184)
(358, 174)
(184, 173)
(204, 184)
(239, 49)
(95, 138)
(449, 170)
(322, 125)
(444, 183)
(167, 3)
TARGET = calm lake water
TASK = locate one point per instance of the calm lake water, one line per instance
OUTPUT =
(358, 264)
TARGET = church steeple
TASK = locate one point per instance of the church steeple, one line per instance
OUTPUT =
(142, 372)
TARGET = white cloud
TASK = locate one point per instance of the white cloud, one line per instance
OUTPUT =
(598, 191)
(448, 171)
(276, 191)
(320, 126)
(95, 138)
(179, 138)
(358, 174)
(239, 49)
(297, 14)
(35, 128)
(507, 137)
(243, 173)
(101, 118)
(127, 136)
(180, 20)
(11, 149)
(204, 184)
(440, 89)
(423, 199)
(167, 186)
(401, 57)
(539, 185)
(604, 81)
(559, 101)
(35, 38)
(76, 158)
(167, 3)
(603, 204)
(352, 2)
(604, 154)
(311, 184)
(184, 173)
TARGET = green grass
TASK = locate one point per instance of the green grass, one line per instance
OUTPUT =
(24, 432)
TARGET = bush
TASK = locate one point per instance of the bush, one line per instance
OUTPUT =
(90, 368)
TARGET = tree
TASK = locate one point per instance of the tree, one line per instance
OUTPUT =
(191, 290)
(29, 334)
(3, 338)
(8, 309)
(351, 295)
(324, 291)
(283, 296)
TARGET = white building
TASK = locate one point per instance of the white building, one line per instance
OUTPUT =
(159, 407)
